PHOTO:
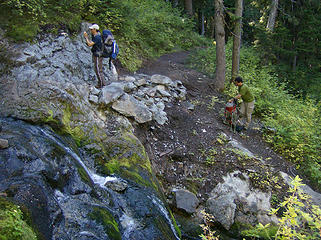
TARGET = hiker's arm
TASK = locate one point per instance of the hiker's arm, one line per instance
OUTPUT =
(236, 97)
(89, 42)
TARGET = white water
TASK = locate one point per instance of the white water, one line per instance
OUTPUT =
(128, 223)
(96, 179)
(160, 206)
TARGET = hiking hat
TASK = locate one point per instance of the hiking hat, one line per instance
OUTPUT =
(94, 26)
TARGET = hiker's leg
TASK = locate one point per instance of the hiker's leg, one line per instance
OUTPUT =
(249, 111)
(242, 112)
(95, 61)
(109, 63)
(101, 72)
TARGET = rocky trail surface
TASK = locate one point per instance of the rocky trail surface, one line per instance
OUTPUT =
(195, 132)
(195, 151)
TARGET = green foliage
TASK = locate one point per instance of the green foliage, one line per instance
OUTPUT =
(300, 219)
(12, 223)
(208, 233)
(296, 121)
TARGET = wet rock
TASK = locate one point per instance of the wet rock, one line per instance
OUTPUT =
(185, 200)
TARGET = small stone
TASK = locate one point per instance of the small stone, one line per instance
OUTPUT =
(3, 143)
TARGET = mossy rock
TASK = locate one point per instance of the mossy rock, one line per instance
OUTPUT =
(126, 157)
(106, 219)
(13, 225)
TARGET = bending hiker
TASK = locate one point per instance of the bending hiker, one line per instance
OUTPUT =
(247, 106)
(96, 44)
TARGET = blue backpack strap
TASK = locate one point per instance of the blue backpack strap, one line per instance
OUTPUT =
(115, 50)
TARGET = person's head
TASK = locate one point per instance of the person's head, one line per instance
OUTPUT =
(94, 28)
(238, 81)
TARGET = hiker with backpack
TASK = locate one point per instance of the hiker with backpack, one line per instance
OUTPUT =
(96, 48)
(110, 48)
(247, 106)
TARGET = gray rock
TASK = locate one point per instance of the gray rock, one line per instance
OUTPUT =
(3, 143)
(159, 79)
(160, 117)
(93, 99)
(141, 82)
(235, 200)
(129, 79)
(235, 144)
(186, 200)
(223, 210)
(151, 92)
(164, 93)
(117, 185)
(120, 85)
(129, 87)
(160, 88)
(110, 94)
(130, 107)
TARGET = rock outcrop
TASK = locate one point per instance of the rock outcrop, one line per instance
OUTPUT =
(235, 201)
(50, 84)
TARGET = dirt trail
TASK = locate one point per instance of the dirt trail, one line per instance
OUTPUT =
(189, 151)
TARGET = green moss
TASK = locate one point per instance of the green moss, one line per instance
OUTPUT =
(175, 224)
(106, 219)
(125, 155)
(13, 226)
(77, 133)
(261, 233)
(83, 175)
(163, 227)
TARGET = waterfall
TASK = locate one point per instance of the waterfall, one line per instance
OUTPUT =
(163, 210)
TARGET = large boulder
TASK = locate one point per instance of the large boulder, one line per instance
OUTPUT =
(235, 201)
(185, 200)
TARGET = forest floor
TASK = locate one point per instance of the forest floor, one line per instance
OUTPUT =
(190, 150)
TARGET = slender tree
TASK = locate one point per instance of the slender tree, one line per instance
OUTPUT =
(272, 16)
(189, 7)
(220, 45)
(237, 33)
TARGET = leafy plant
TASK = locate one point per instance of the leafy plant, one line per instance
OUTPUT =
(12, 223)
(208, 234)
(300, 219)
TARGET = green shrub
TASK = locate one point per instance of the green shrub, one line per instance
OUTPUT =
(12, 223)
(299, 220)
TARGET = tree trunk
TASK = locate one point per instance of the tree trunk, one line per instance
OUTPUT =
(203, 26)
(272, 16)
(220, 45)
(175, 3)
(237, 39)
(189, 7)
(212, 27)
